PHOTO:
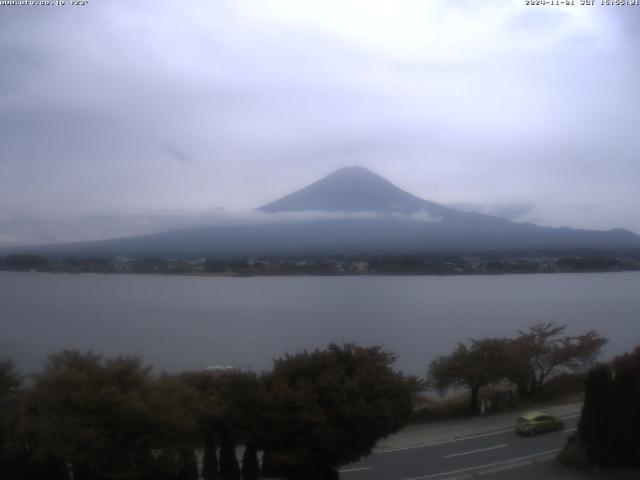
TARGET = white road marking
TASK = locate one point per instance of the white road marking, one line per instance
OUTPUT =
(461, 477)
(469, 452)
(567, 430)
(505, 467)
(433, 444)
(354, 469)
(479, 467)
(546, 458)
(570, 416)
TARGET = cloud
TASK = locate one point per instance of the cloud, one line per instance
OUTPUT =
(418, 217)
(509, 210)
(177, 155)
(488, 103)
(39, 231)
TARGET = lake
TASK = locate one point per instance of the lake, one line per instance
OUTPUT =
(181, 322)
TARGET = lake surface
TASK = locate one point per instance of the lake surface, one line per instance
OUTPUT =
(180, 323)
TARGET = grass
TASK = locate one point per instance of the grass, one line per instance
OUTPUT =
(431, 408)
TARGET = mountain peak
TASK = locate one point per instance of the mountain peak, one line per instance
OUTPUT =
(352, 189)
(354, 170)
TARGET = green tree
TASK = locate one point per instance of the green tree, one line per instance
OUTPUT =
(595, 426)
(610, 419)
(543, 350)
(472, 367)
(330, 407)
(209, 458)
(187, 465)
(10, 380)
(107, 417)
(10, 383)
(250, 464)
(13, 456)
(626, 408)
(232, 406)
(18, 461)
(229, 468)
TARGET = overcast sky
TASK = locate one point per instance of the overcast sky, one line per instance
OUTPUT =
(122, 107)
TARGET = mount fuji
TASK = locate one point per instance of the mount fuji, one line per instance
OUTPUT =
(354, 211)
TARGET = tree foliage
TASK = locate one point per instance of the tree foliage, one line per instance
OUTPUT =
(250, 463)
(229, 467)
(10, 380)
(209, 458)
(187, 465)
(108, 417)
(10, 383)
(528, 361)
(231, 410)
(330, 407)
(473, 367)
(610, 419)
(10, 442)
(111, 418)
(544, 350)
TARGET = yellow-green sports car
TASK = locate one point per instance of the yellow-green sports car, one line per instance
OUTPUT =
(531, 423)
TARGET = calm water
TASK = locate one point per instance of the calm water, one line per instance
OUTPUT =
(190, 322)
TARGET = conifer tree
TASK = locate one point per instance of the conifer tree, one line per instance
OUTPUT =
(250, 464)
(610, 418)
(270, 468)
(187, 465)
(595, 419)
(229, 468)
(210, 459)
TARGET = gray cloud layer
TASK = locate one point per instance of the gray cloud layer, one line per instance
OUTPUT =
(128, 106)
(34, 231)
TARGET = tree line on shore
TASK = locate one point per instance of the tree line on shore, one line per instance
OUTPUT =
(498, 263)
(88, 417)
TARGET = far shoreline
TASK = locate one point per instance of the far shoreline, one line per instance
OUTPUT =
(338, 265)
(315, 275)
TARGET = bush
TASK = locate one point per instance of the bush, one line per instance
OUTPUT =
(330, 407)
(430, 408)
(574, 453)
(561, 386)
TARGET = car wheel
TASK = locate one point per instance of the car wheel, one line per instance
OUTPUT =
(533, 432)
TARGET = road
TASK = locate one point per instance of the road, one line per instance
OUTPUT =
(492, 455)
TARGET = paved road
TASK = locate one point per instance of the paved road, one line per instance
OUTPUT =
(491, 455)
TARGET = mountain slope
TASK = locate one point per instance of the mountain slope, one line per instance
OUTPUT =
(396, 222)
(353, 189)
